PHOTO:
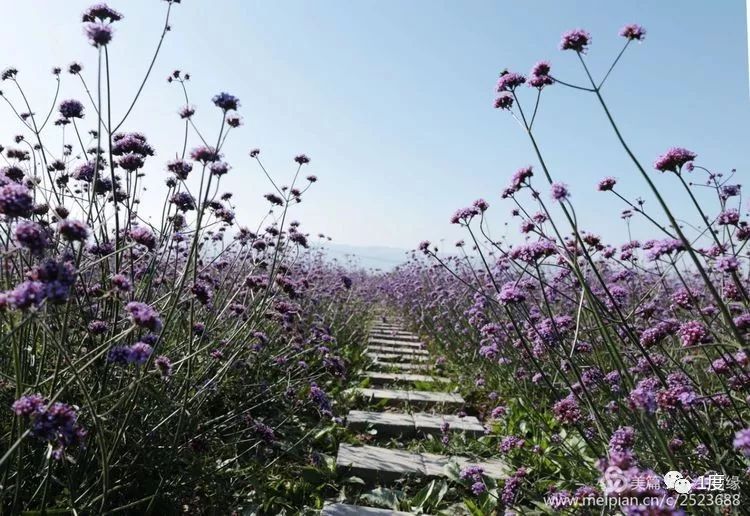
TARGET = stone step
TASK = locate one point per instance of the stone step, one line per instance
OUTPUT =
(431, 423)
(391, 342)
(404, 350)
(401, 357)
(422, 398)
(400, 366)
(375, 464)
(394, 334)
(377, 378)
(342, 509)
(389, 424)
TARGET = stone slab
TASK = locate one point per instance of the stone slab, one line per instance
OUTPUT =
(381, 394)
(377, 378)
(392, 342)
(390, 357)
(431, 423)
(435, 398)
(374, 464)
(404, 350)
(342, 509)
(386, 423)
(400, 366)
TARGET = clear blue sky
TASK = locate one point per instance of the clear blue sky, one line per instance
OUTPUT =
(392, 99)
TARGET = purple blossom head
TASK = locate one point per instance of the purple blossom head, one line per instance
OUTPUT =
(29, 404)
(73, 230)
(15, 200)
(99, 34)
(504, 101)
(633, 32)
(742, 442)
(674, 159)
(218, 168)
(144, 236)
(71, 109)
(204, 154)
(163, 365)
(144, 315)
(180, 168)
(692, 333)
(606, 184)
(511, 293)
(101, 12)
(302, 159)
(139, 353)
(32, 236)
(539, 76)
(509, 81)
(559, 192)
(226, 101)
(576, 39)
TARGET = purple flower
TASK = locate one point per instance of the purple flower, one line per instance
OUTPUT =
(622, 439)
(144, 315)
(180, 168)
(674, 159)
(727, 264)
(302, 159)
(606, 184)
(633, 32)
(559, 191)
(509, 443)
(101, 12)
(218, 168)
(183, 201)
(73, 230)
(99, 34)
(692, 333)
(511, 293)
(729, 217)
(139, 352)
(742, 442)
(567, 411)
(539, 76)
(509, 81)
(478, 488)
(576, 39)
(144, 236)
(15, 200)
(464, 215)
(226, 101)
(320, 398)
(204, 154)
(56, 423)
(32, 236)
(504, 101)
(27, 295)
(163, 365)
(127, 143)
(29, 404)
(71, 109)
(471, 473)
(131, 162)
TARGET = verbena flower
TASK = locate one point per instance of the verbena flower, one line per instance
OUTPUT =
(576, 39)
(633, 32)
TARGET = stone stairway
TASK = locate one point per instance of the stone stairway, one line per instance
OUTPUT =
(398, 361)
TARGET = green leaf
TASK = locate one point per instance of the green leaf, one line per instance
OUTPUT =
(382, 497)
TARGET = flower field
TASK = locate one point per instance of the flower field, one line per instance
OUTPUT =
(196, 364)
